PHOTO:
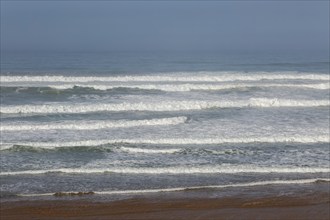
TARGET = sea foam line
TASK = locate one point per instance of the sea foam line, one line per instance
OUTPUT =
(189, 77)
(176, 189)
(225, 169)
(188, 87)
(149, 151)
(176, 87)
(175, 141)
(160, 106)
(92, 125)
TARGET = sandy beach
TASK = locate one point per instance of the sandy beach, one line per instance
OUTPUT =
(311, 202)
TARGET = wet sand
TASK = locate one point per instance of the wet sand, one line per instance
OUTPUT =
(305, 205)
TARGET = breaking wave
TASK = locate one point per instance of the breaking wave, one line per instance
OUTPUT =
(177, 141)
(192, 87)
(224, 169)
(160, 106)
(54, 89)
(149, 151)
(175, 77)
(92, 125)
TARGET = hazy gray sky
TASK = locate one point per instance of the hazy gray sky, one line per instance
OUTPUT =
(102, 25)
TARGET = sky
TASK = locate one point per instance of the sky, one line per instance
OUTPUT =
(164, 25)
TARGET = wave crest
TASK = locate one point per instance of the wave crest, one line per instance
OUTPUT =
(93, 125)
(55, 89)
(178, 141)
(225, 169)
(149, 151)
(159, 106)
(174, 77)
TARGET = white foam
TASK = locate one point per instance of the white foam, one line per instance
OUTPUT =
(250, 184)
(265, 102)
(224, 169)
(149, 151)
(159, 106)
(176, 189)
(190, 87)
(176, 141)
(174, 77)
(92, 125)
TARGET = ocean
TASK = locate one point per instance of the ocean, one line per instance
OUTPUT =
(126, 123)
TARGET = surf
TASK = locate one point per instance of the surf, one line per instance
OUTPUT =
(175, 141)
(55, 88)
(92, 124)
(206, 169)
(160, 106)
(173, 77)
(177, 189)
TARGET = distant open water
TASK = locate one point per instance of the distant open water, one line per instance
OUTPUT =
(162, 130)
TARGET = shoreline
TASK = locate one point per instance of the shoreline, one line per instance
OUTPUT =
(299, 201)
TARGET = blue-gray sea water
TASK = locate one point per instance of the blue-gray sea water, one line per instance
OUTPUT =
(116, 122)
